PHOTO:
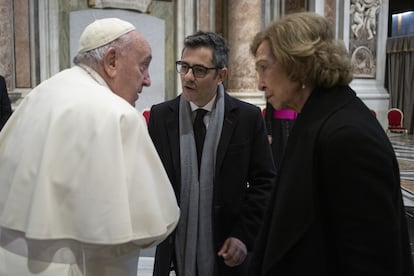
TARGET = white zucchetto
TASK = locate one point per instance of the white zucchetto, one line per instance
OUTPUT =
(103, 31)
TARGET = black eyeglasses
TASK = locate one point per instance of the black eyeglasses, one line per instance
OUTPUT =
(199, 71)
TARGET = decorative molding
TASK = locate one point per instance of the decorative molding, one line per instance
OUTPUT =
(254, 97)
(377, 96)
(139, 5)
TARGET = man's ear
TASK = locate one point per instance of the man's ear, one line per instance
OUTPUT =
(222, 75)
(110, 62)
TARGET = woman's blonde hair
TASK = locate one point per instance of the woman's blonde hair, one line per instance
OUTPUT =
(304, 45)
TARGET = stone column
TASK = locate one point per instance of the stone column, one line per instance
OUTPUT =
(366, 43)
(22, 44)
(206, 15)
(49, 28)
(186, 23)
(6, 41)
(243, 22)
(15, 48)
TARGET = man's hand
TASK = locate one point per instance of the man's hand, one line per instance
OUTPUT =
(233, 252)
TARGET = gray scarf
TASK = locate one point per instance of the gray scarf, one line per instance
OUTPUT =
(194, 235)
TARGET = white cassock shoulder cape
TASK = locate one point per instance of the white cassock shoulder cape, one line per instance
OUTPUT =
(76, 162)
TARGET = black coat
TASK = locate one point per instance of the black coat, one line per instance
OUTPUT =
(5, 106)
(338, 208)
(243, 157)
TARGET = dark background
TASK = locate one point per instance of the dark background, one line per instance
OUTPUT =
(398, 6)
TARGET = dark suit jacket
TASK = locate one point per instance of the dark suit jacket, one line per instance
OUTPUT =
(5, 106)
(337, 209)
(243, 158)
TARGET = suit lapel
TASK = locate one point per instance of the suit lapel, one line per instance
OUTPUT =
(230, 121)
(173, 136)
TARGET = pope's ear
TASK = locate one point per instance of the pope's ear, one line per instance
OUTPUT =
(109, 62)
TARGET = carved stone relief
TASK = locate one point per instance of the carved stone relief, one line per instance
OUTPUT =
(363, 37)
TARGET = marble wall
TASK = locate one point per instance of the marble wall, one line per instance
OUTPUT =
(22, 50)
(37, 45)
(6, 41)
(15, 47)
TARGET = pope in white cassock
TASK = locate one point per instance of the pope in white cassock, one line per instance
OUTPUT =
(82, 188)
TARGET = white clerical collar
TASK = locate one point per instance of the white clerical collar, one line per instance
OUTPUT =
(93, 74)
(208, 106)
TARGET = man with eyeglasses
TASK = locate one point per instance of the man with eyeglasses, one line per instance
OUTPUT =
(217, 156)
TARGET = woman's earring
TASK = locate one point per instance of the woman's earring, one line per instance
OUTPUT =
(303, 86)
